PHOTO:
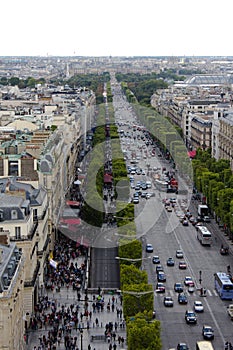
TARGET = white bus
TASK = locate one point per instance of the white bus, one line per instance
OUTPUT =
(204, 236)
(161, 185)
(204, 345)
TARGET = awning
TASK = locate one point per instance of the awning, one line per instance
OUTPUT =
(73, 203)
(192, 154)
(82, 241)
(107, 178)
(70, 221)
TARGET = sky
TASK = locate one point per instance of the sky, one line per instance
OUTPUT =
(120, 28)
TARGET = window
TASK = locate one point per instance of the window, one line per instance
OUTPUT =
(18, 232)
(14, 215)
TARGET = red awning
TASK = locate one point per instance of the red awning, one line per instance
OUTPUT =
(107, 178)
(192, 154)
(70, 221)
(73, 203)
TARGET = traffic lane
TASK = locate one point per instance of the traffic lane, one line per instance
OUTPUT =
(185, 237)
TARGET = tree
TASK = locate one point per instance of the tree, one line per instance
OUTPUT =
(143, 334)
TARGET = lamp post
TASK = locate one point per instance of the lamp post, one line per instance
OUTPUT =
(200, 280)
(81, 335)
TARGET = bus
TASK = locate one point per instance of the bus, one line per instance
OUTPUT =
(161, 185)
(223, 285)
(204, 345)
(204, 236)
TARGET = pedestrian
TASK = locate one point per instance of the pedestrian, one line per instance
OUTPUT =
(226, 345)
(119, 340)
(110, 347)
(89, 347)
(114, 346)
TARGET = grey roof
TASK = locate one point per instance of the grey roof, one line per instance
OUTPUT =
(10, 257)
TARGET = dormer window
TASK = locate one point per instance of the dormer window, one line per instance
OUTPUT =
(14, 214)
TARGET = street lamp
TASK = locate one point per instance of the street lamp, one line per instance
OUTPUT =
(200, 280)
(81, 334)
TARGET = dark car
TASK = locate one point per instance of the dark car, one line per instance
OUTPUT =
(190, 317)
(159, 268)
(156, 259)
(160, 288)
(182, 298)
(182, 346)
(149, 248)
(168, 301)
(161, 277)
(207, 332)
(178, 287)
(170, 262)
(182, 265)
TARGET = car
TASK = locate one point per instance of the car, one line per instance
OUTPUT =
(182, 265)
(178, 287)
(206, 218)
(188, 281)
(159, 268)
(161, 277)
(170, 262)
(185, 223)
(155, 259)
(160, 288)
(169, 209)
(149, 248)
(190, 317)
(179, 254)
(168, 301)
(135, 200)
(182, 346)
(182, 298)
(198, 306)
(207, 332)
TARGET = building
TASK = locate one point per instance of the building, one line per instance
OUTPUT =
(12, 313)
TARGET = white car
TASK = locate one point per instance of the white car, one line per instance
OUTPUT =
(188, 281)
(198, 306)
(179, 254)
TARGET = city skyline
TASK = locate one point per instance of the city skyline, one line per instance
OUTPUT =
(125, 28)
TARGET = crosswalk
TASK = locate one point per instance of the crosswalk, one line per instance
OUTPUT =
(210, 293)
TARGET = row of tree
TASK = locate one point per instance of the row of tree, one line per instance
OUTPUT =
(214, 179)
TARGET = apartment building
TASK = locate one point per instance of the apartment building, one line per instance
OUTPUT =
(12, 313)
(226, 137)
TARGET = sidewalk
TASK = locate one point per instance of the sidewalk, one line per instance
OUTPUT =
(91, 321)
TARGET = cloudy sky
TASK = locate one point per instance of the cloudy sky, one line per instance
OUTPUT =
(120, 28)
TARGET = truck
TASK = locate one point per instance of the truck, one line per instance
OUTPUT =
(203, 212)
(230, 311)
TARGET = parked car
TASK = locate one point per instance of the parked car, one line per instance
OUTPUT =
(156, 259)
(207, 332)
(168, 301)
(190, 317)
(198, 306)
(149, 248)
(170, 262)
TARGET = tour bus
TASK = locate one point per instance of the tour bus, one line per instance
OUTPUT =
(204, 345)
(204, 236)
(223, 285)
(161, 185)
